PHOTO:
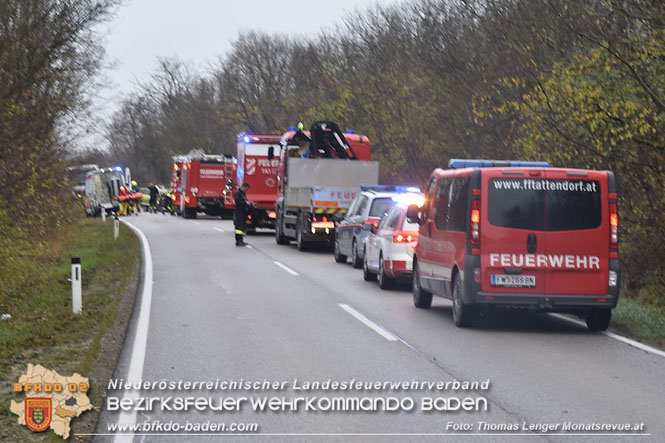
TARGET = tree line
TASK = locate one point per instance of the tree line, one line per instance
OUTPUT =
(579, 84)
(49, 56)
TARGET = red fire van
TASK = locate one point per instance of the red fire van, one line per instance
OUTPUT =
(518, 234)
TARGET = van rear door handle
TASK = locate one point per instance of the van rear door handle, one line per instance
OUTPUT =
(531, 243)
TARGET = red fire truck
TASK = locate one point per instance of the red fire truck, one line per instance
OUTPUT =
(255, 168)
(203, 183)
(320, 173)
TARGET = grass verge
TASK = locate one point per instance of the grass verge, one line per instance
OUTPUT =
(43, 330)
(639, 321)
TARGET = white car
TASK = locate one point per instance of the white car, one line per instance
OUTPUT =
(389, 248)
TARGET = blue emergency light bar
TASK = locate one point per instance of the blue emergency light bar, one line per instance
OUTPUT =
(389, 188)
(456, 163)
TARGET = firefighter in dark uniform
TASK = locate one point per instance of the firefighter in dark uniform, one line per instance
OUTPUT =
(154, 196)
(240, 213)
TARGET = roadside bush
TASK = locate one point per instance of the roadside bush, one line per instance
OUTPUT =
(16, 253)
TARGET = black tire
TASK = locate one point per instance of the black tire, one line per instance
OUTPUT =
(385, 282)
(421, 298)
(356, 261)
(463, 315)
(367, 274)
(280, 238)
(339, 257)
(301, 244)
(599, 319)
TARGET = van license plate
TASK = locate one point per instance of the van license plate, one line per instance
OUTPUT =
(514, 281)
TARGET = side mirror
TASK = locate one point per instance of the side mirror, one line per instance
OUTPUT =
(338, 216)
(412, 214)
(271, 152)
(369, 227)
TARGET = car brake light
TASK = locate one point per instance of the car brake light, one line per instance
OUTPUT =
(614, 226)
(475, 222)
(405, 237)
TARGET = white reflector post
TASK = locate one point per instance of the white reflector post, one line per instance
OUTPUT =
(103, 214)
(116, 227)
(77, 303)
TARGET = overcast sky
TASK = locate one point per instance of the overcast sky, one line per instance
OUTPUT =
(200, 31)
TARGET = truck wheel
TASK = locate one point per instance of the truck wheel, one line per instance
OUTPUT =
(356, 261)
(598, 319)
(367, 274)
(339, 257)
(301, 244)
(280, 238)
(421, 298)
(385, 282)
(463, 315)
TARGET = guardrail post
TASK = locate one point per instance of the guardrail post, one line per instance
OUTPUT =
(116, 227)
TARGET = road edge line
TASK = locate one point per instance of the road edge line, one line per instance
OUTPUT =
(137, 359)
(621, 338)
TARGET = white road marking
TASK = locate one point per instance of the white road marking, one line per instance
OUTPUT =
(219, 229)
(621, 338)
(378, 329)
(135, 371)
(286, 268)
(194, 222)
(249, 246)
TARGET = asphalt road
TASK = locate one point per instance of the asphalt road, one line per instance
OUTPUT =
(270, 312)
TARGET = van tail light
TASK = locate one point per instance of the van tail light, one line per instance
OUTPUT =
(614, 226)
(475, 222)
(405, 237)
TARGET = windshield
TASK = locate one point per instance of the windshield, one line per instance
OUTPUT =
(77, 173)
(380, 207)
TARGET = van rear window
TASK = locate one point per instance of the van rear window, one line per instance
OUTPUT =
(544, 204)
